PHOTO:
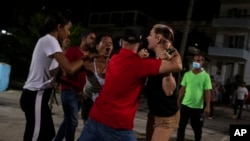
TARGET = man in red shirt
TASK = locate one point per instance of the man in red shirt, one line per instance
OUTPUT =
(72, 86)
(112, 115)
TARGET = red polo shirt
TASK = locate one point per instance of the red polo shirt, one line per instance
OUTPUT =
(77, 80)
(118, 101)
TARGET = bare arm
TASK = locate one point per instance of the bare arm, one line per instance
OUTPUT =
(169, 64)
(207, 100)
(168, 84)
(180, 95)
(174, 65)
(168, 81)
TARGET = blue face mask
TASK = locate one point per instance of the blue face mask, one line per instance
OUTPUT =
(196, 65)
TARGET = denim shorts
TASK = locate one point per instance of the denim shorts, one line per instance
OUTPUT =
(168, 122)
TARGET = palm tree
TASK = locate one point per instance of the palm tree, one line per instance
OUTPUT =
(187, 26)
(184, 39)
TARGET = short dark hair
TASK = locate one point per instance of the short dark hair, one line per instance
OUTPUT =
(199, 55)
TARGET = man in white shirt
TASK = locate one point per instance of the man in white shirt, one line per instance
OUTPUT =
(241, 97)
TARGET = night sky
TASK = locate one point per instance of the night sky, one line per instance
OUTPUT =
(165, 10)
(158, 9)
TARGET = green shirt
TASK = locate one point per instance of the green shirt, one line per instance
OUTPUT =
(195, 85)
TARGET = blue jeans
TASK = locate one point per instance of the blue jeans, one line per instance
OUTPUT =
(71, 106)
(95, 131)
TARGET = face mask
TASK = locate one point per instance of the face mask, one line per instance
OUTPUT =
(196, 65)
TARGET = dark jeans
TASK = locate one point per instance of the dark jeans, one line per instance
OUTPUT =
(86, 106)
(71, 107)
(238, 105)
(196, 117)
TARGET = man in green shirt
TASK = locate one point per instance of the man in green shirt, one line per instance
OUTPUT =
(195, 83)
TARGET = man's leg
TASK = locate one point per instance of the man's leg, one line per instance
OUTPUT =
(236, 106)
(196, 121)
(61, 132)
(184, 117)
(240, 108)
(72, 116)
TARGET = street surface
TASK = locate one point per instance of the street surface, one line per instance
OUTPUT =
(12, 121)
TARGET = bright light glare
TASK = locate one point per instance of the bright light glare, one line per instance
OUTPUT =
(3, 31)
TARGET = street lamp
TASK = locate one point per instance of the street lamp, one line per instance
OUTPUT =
(4, 32)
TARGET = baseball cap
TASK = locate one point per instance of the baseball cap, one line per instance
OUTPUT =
(132, 34)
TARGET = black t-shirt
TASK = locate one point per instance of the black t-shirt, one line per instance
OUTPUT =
(158, 103)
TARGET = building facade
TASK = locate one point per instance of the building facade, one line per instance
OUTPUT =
(228, 51)
(230, 54)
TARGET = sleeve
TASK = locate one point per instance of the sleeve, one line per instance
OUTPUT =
(73, 54)
(148, 67)
(183, 81)
(52, 46)
(69, 54)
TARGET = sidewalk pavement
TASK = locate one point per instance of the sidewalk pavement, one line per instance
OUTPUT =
(12, 121)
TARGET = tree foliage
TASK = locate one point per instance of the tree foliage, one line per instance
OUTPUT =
(16, 49)
(21, 43)
(75, 34)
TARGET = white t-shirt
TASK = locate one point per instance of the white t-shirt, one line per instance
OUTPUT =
(43, 67)
(241, 92)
